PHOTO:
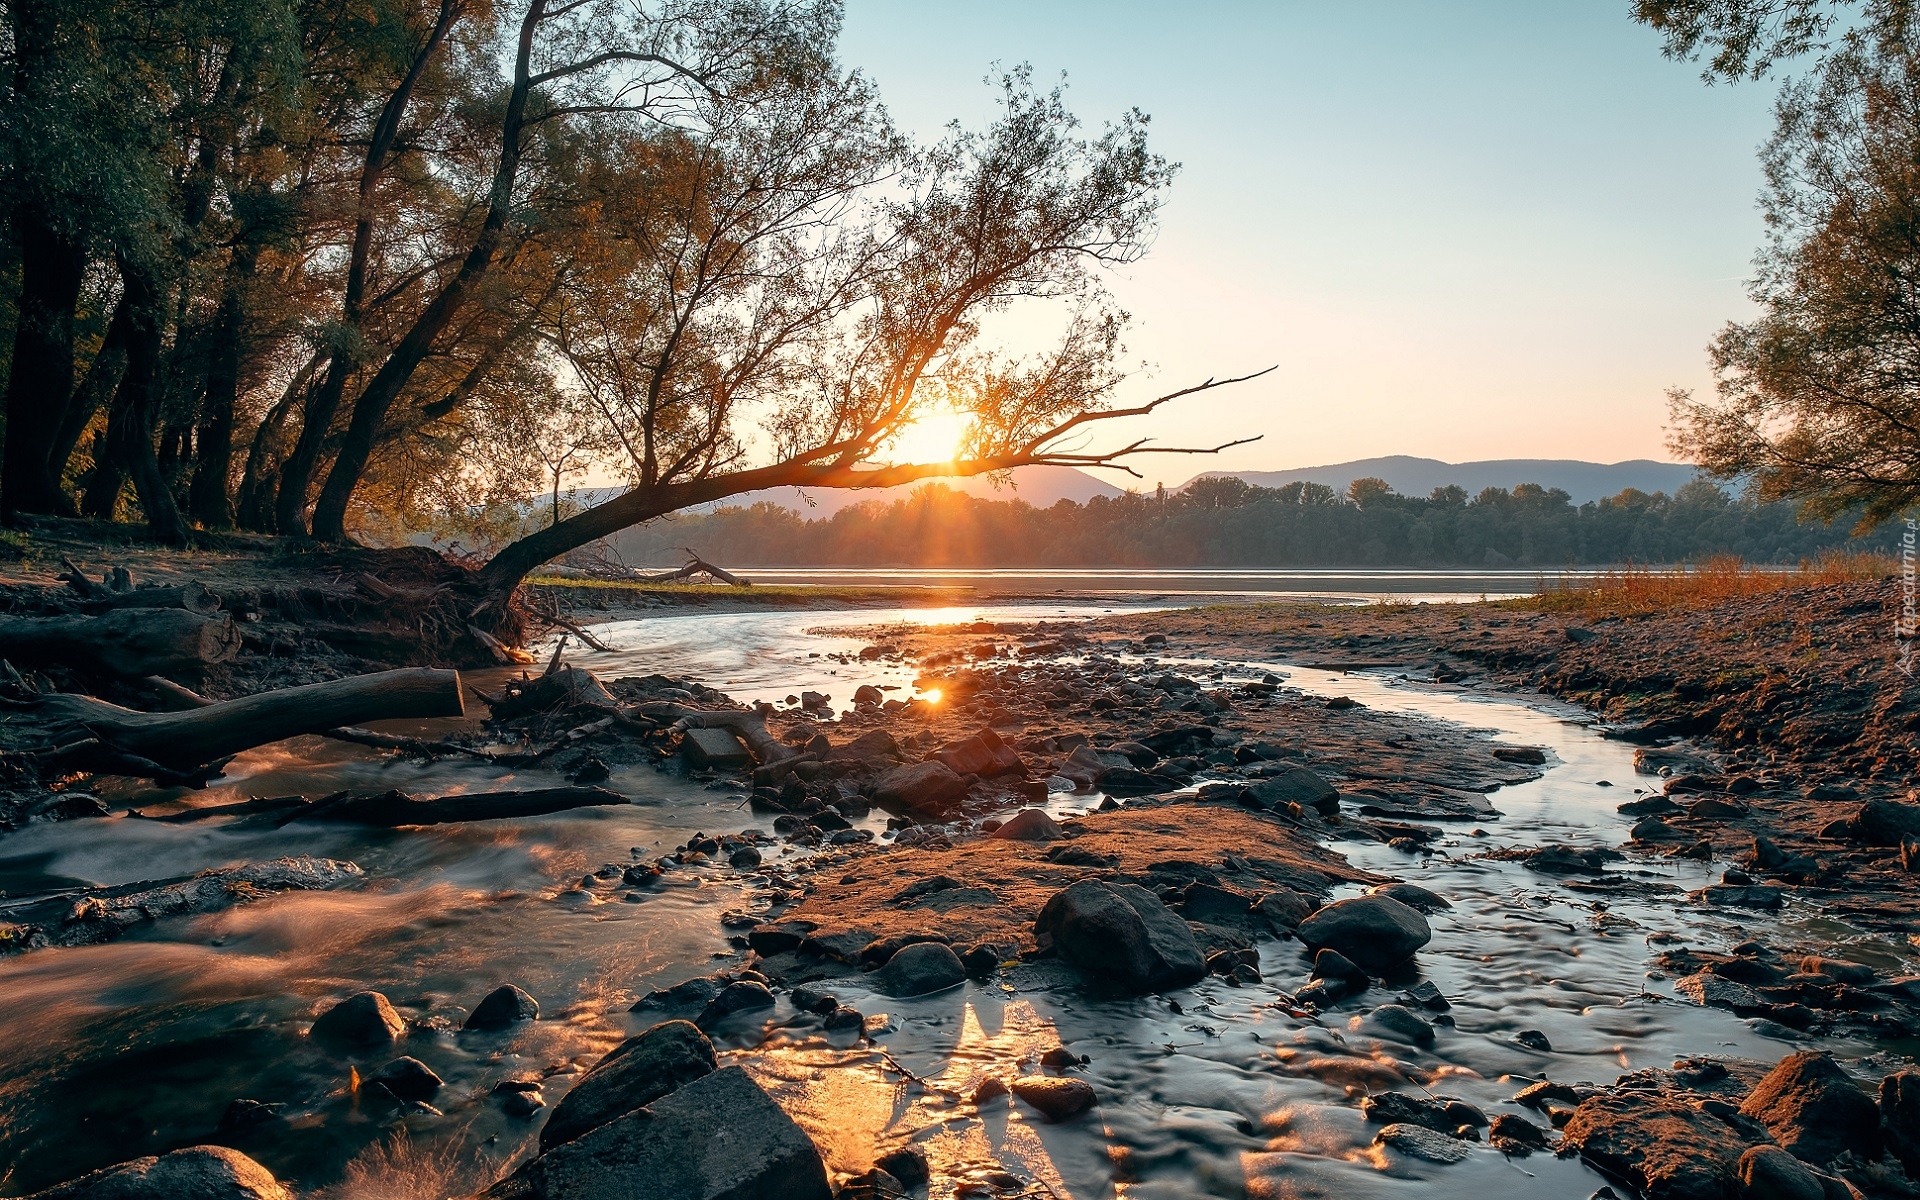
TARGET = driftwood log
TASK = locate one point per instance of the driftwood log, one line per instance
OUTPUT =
(83, 733)
(127, 643)
(398, 808)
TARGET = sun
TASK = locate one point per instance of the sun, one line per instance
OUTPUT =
(936, 437)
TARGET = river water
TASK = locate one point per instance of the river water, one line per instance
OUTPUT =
(137, 1047)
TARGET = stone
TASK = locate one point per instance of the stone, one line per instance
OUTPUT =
(777, 937)
(744, 858)
(1029, 825)
(872, 1184)
(1398, 1108)
(362, 1019)
(1413, 896)
(1815, 1110)
(1900, 1117)
(1716, 991)
(1283, 909)
(1533, 1039)
(1667, 1149)
(1402, 1024)
(688, 996)
(734, 998)
(1532, 756)
(920, 970)
(1417, 1141)
(983, 754)
(875, 743)
(1121, 932)
(1297, 785)
(1513, 1133)
(866, 693)
(248, 1114)
(1056, 1098)
(1651, 829)
(1376, 932)
(1753, 895)
(1125, 781)
(924, 789)
(712, 747)
(522, 1104)
(1886, 822)
(1335, 966)
(1211, 904)
(408, 1079)
(1837, 969)
(718, 1137)
(844, 1020)
(808, 998)
(503, 1007)
(634, 1074)
(908, 1164)
(1770, 1173)
(195, 1173)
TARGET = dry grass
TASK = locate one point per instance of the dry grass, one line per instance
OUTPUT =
(1645, 591)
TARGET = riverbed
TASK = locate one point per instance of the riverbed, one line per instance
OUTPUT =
(138, 1046)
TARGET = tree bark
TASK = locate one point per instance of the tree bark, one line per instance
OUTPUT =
(102, 377)
(53, 265)
(127, 643)
(208, 498)
(128, 445)
(95, 735)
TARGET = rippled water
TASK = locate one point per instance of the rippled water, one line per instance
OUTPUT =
(137, 1047)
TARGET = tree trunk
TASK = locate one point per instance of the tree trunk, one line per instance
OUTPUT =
(208, 499)
(102, 377)
(96, 735)
(128, 445)
(260, 482)
(52, 268)
(127, 643)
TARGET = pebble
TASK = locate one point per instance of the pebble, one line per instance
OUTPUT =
(1056, 1098)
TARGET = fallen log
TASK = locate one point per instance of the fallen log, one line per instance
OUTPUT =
(194, 597)
(82, 733)
(127, 643)
(559, 687)
(398, 808)
(750, 726)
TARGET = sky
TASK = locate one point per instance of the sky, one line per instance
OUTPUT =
(1461, 230)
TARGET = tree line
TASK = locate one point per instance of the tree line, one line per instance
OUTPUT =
(1225, 522)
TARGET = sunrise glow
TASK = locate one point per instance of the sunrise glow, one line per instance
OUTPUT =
(936, 437)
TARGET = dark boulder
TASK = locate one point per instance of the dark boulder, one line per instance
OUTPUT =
(920, 970)
(1886, 822)
(1815, 1110)
(1030, 825)
(1900, 1117)
(1211, 904)
(929, 789)
(734, 998)
(1668, 1149)
(1770, 1173)
(1413, 896)
(408, 1079)
(1297, 785)
(503, 1007)
(719, 1137)
(634, 1074)
(362, 1019)
(195, 1173)
(1121, 932)
(1283, 910)
(907, 1164)
(1333, 965)
(982, 754)
(1376, 932)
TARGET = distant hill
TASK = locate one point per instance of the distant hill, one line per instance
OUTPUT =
(1041, 487)
(1411, 476)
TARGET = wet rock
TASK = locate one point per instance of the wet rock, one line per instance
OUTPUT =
(844, 1020)
(1211, 904)
(1376, 932)
(689, 996)
(1532, 756)
(1283, 909)
(1427, 994)
(1670, 1150)
(1121, 932)
(1770, 1173)
(1030, 825)
(241, 1115)
(1338, 968)
(734, 998)
(522, 1104)
(920, 970)
(713, 747)
(873, 1184)
(362, 1019)
(1055, 1097)
(908, 1164)
(808, 998)
(983, 754)
(1413, 896)
(1513, 1134)
(1417, 1141)
(1398, 1108)
(866, 693)
(502, 1008)
(1401, 1024)
(776, 937)
(408, 1079)
(1125, 781)
(1712, 990)
(1652, 829)
(1297, 785)
(924, 789)
(1755, 895)
(718, 1137)
(1533, 1039)
(1650, 806)
(1886, 822)
(196, 1173)
(875, 743)
(1900, 1117)
(634, 1074)
(1815, 1110)
(1569, 860)
(986, 957)
(1837, 969)
(744, 858)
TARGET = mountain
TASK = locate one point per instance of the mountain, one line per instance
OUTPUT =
(1411, 476)
(1041, 487)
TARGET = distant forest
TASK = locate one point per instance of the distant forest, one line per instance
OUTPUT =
(1225, 522)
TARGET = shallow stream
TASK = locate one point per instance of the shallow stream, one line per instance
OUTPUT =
(138, 1046)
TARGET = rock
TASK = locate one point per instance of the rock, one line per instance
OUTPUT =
(634, 1074)
(808, 998)
(1413, 896)
(1770, 1173)
(1649, 806)
(1297, 785)
(907, 1164)
(1055, 1097)
(1283, 909)
(873, 1184)
(1420, 1142)
(735, 997)
(1513, 1134)
(844, 1020)
(1122, 932)
(1651, 829)
(923, 789)
(1900, 1117)
(1837, 969)
(195, 1173)
(1125, 781)
(1398, 1108)
(875, 743)
(1333, 965)
(1533, 1039)
(688, 996)
(1376, 932)
(1401, 1024)
(408, 1078)
(504, 1006)
(1717, 991)
(362, 1019)
(744, 858)
(982, 754)
(1713, 808)
(1211, 904)
(866, 693)
(1029, 825)
(718, 1137)
(1755, 895)
(1815, 1110)
(920, 970)
(1667, 1149)
(776, 937)
(1532, 756)
(248, 1114)
(1886, 822)
(522, 1104)
(713, 747)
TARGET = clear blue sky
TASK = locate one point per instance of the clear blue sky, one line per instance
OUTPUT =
(1462, 229)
